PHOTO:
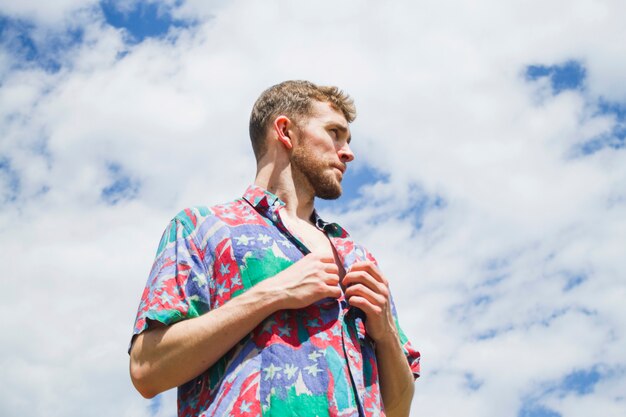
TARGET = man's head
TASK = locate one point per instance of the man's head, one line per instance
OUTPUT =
(293, 99)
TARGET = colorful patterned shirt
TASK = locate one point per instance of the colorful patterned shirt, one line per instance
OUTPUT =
(315, 361)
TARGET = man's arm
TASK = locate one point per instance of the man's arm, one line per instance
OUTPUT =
(164, 357)
(396, 378)
(367, 289)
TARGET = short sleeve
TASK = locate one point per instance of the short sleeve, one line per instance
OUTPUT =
(176, 287)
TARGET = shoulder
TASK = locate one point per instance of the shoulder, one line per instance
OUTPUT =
(202, 222)
(194, 217)
(190, 218)
(361, 253)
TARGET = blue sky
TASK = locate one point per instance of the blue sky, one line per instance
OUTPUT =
(571, 75)
(142, 20)
(489, 183)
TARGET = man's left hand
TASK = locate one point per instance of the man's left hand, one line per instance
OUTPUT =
(368, 289)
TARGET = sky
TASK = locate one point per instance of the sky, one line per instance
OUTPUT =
(489, 182)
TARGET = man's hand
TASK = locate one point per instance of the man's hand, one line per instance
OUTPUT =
(311, 279)
(367, 289)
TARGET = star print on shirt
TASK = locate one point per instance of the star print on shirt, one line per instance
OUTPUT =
(269, 323)
(290, 370)
(243, 239)
(323, 336)
(224, 269)
(313, 323)
(166, 298)
(200, 280)
(221, 289)
(244, 407)
(313, 369)
(271, 371)
(284, 331)
(265, 239)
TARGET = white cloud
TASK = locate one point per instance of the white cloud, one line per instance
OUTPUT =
(444, 108)
(606, 400)
(47, 13)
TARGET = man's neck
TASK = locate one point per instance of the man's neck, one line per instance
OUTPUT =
(299, 200)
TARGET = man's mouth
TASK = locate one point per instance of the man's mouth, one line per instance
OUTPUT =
(341, 168)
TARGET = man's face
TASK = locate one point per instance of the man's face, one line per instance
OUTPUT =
(322, 150)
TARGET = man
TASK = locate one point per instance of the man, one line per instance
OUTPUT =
(258, 306)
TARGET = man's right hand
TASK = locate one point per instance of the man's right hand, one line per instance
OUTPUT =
(311, 279)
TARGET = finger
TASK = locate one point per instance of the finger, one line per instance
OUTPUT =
(360, 290)
(328, 259)
(334, 292)
(371, 268)
(366, 306)
(332, 279)
(332, 268)
(365, 278)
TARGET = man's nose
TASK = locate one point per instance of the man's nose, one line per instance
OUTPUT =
(345, 153)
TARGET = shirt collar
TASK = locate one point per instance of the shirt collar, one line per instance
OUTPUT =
(268, 204)
(332, 229)
(261, 199)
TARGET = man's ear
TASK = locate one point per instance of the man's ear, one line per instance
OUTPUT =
(282, 124)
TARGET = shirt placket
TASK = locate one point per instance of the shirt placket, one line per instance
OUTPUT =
(349, 337)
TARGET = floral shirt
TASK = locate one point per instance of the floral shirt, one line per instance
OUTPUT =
(315, 361)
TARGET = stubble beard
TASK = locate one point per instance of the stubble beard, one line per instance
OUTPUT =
(318, 173)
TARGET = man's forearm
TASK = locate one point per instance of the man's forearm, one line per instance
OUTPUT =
(168, 356)
(396, 378)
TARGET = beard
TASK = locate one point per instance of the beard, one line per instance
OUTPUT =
(317, 172)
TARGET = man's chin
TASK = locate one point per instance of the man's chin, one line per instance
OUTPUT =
(329, 194)
(328, 198)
